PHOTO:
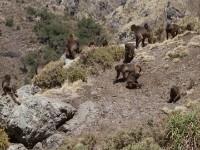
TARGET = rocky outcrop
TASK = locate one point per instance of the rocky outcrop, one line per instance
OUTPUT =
(17, 147)
(37, 118)
(87, 114)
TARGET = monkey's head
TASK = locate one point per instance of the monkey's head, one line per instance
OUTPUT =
(189, 27)
(133, 27)
(168, 26)
(7, 77)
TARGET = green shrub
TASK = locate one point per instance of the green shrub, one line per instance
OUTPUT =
(31, 11)
(88, 30)
(51, 76)
(9, 22)
(183, 131)
(4, 141)
(123, 139)
(51, 31)
(76, 73)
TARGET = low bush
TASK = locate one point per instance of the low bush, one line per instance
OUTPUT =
(88, 30)
(76, 73)
(51, 76)
(103, 57)
(9, 22)
(123, 139)
(31, 11)
(85, 143)
(4, 141)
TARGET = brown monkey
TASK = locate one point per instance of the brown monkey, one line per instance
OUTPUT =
(141, 33)
(173, 29)
(8, 89)
(189, 27)
(91, 44)
(174, 94)
(72, 46)
(129, 53)
(125, 69)
(104, 42)
(131, 81)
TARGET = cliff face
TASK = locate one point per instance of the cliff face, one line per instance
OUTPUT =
(117, 15)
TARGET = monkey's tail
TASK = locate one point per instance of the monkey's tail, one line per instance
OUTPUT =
(140, 69)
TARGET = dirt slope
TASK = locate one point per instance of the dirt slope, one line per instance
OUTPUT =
(118, 107)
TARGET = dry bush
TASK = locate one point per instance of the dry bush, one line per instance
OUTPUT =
(75, 73)
(178, 52)
(102, 58)
(195, 41)
(192, 21)
(4, 141)
(145, 57)
(51, 76)
(123, 139)
(73, 143)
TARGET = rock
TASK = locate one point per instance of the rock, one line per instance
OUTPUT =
(37, 118)
(38, 146)
(6, 107)
(28, 90)
(17, 147)
(54, 141)
(87, 114)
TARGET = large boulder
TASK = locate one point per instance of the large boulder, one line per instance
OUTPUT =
(17, 147)
(37, 118)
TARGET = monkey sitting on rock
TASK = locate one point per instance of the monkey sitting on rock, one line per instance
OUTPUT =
(8, 89)
(131, 81)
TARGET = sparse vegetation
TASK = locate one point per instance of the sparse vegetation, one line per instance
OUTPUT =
(9, 22)
(53, 75)
(75, 73)
(51, 31)
(88, 30)
(104, 57)
(31, 11)
(86, 143)
(181, 130)
(4, 141)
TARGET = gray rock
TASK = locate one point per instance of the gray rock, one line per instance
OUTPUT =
(87, 114)
(38, 146)
(28, 90)
(17, 147)
(54, 141)
(37, 118)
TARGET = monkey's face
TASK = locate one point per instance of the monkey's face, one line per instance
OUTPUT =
(133, 27)
(7, 77)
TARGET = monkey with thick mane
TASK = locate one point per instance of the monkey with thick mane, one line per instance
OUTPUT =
(175, 94)
(8, 89)
(72, 46)
(172, 29)
(131, 81)
(129, 53)
(141, 33)
(125, 69)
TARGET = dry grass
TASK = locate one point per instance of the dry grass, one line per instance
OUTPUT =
(4, 141)
(145, 57)
(179, 52)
